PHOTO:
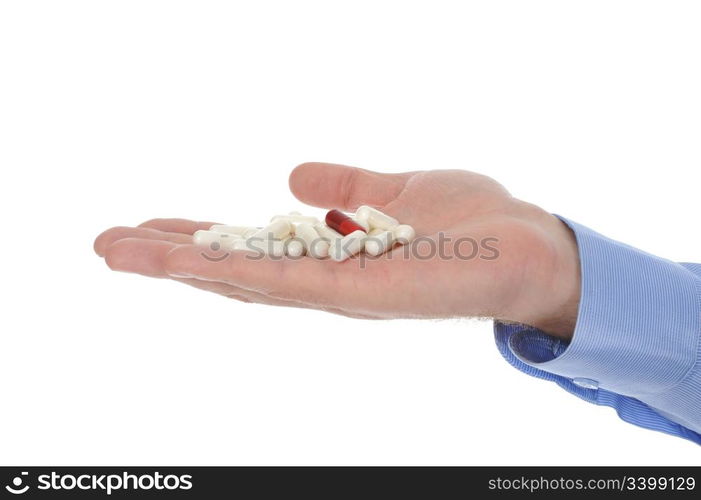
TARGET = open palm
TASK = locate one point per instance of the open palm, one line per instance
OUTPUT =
(480, 252)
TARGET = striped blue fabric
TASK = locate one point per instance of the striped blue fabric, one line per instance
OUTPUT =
(637, 342)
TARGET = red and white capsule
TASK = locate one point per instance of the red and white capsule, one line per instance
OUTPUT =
(341, 223)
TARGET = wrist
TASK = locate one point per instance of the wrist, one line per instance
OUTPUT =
(561, 296)
(549, 298)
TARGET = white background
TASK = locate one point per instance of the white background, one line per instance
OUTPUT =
(116, 112)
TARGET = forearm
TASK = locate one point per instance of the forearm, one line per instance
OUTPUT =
(636, 337)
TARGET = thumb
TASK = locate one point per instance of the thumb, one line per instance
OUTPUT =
(337, 186)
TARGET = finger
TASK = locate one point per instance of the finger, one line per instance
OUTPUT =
(337, 186)
(184, 226)
(147, 257)
(114, 234)
(138, 255)
(247, 296)
(217, 287)
(323, 284)
(143, 256)
(237, 293)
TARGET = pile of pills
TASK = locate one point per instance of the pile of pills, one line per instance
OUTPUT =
(295, 235)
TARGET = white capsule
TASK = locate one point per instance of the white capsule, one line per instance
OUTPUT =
(327, 233)
(274, 231)
(296, 219)
(294, 248)
(243, 245)
(379, 243)
(375, 232)
(276, 248)
(362, 223)
(294, 212)
(347, 246)
(404, 233)
(321, 249)
(251, 231)
(314, 244)
(207, 238)
(375, 219)
(240, 230)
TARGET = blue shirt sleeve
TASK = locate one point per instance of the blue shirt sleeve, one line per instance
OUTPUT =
(636, 345)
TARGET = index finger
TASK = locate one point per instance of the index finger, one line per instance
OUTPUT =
(322, 282)
(184, 226)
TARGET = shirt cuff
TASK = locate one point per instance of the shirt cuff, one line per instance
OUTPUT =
(638, 324)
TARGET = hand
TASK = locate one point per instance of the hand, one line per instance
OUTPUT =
(530, 276)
